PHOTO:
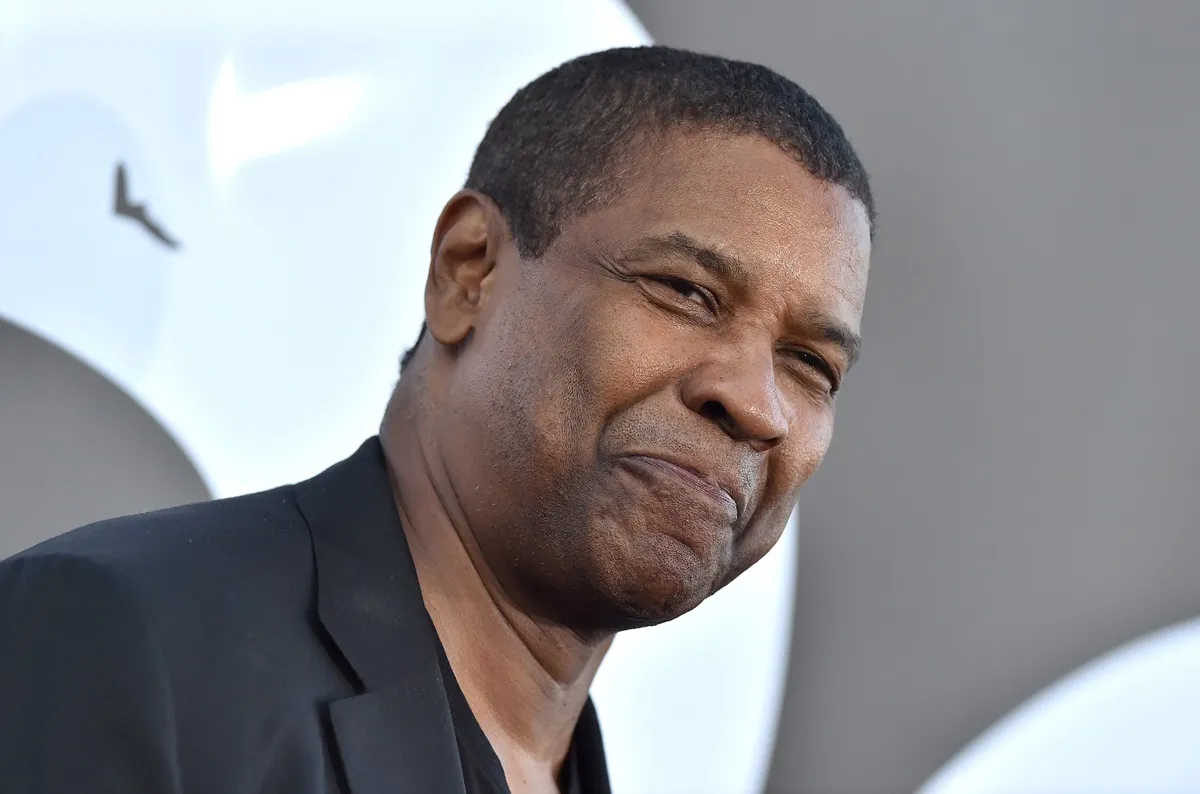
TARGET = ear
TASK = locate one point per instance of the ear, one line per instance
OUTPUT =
(466, 245)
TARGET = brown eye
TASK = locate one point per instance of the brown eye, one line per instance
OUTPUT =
(687, 290)
(819, 366)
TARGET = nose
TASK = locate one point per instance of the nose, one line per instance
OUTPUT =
(739, 394)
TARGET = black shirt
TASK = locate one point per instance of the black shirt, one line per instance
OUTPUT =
(583, 772)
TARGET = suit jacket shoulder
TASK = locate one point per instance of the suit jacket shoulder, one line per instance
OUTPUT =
(271, 642)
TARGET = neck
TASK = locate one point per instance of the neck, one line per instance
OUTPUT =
(525, 679)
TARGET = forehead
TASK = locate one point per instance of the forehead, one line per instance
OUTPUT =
(746, 198)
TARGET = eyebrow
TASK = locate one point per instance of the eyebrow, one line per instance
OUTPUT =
(721, 265)
(837, 333)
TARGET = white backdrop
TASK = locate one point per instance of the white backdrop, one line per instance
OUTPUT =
(299, 152)
(1126, 723)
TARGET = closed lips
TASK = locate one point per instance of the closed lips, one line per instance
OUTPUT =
(690, 476)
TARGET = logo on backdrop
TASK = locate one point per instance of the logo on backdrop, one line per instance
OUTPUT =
(139, 213)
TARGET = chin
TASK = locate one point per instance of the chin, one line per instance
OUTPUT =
(665, 580)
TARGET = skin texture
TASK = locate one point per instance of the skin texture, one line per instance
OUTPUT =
(539, 440)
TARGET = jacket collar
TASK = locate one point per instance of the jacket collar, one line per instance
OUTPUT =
(397, 734)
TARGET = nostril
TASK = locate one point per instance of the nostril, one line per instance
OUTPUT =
(715, 412)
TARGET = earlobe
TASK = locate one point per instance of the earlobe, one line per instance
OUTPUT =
(463, 255)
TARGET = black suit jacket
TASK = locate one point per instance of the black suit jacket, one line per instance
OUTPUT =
(275, 642)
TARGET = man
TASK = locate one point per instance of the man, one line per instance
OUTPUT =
(638, 314)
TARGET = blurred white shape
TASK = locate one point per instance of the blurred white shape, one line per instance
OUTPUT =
(1126, 723)
(245, 126)
(710, 685)
(267, 345)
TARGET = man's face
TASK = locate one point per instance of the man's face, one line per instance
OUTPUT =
(633, 415)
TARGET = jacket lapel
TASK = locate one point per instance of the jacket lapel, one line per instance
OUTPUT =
(397, 735)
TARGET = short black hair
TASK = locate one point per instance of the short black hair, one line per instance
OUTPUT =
(556, 150)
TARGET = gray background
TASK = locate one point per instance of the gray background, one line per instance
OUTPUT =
(75, 448)
(1013, 486)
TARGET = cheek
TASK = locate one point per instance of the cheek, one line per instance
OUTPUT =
(634, 351)
(804, 449)
(556, 363)
(762, 535)
(790, 470)
(509, 390)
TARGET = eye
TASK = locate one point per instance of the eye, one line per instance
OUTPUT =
(819, 366)
(687, 290)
